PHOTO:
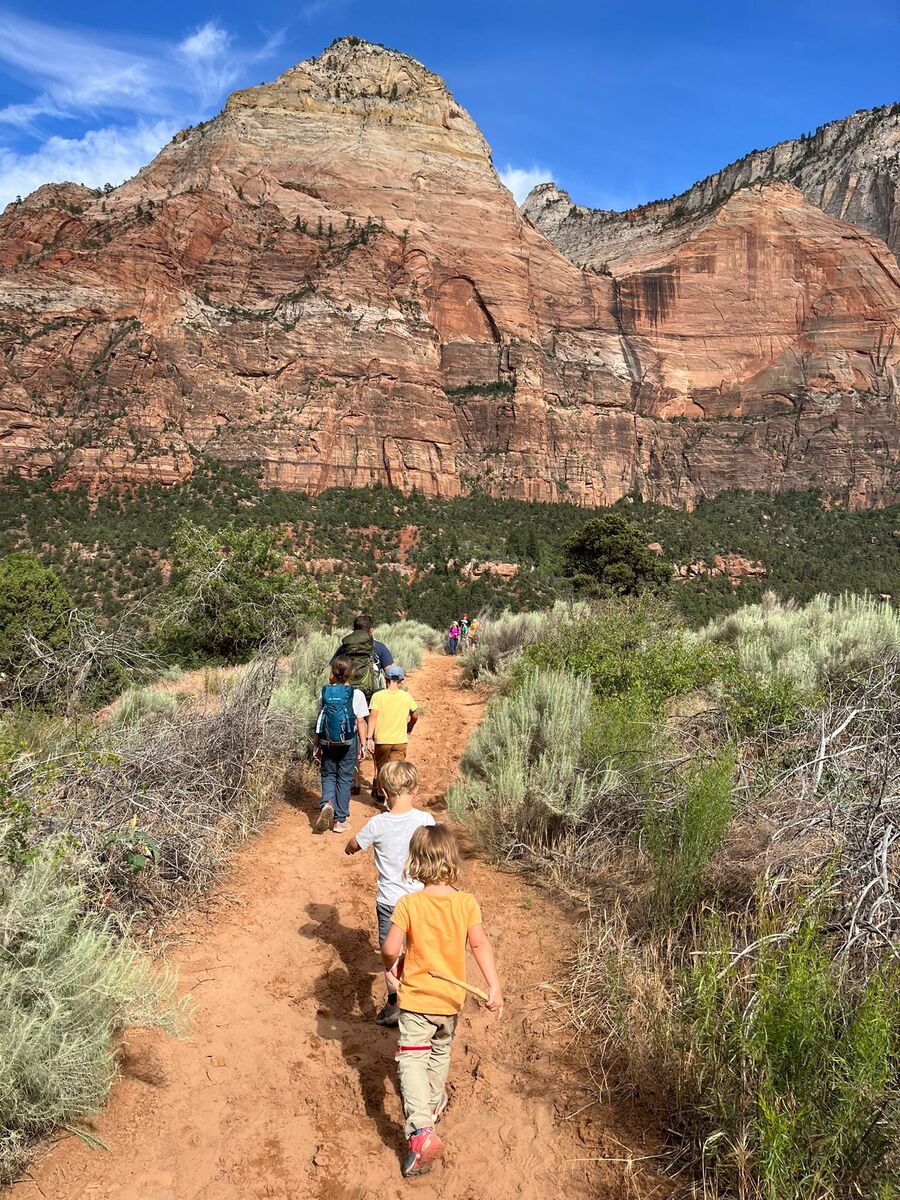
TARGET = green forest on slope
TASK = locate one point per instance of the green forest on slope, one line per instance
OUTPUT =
(112, 549)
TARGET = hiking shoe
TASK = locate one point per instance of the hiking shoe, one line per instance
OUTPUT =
(389, 1015)
(325, 818)
(340, 827)
(440, 1107)
(424, 1147)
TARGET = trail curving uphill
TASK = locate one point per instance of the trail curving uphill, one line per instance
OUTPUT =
(286, 1089)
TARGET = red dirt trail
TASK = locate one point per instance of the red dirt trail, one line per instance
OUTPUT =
(286, 1089)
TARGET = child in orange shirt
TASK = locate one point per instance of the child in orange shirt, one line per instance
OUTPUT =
(437, 923)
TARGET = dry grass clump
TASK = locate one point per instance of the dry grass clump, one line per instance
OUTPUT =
(408, 641)
(151, 808)
(139, 702)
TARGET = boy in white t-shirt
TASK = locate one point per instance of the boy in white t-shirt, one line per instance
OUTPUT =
(389, 833)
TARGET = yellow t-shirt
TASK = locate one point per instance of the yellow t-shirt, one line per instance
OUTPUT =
(436, 928)
(393, 709)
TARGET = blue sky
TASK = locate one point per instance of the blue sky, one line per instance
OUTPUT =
(619, 103)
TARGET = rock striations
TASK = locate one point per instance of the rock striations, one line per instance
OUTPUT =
(330, 281)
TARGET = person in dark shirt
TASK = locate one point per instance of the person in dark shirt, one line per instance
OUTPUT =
(370, 658)
(365, 623)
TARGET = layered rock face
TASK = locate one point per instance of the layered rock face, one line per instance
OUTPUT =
(848, 168)
(329, 280)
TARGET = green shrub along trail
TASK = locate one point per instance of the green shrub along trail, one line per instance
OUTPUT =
(727, 800)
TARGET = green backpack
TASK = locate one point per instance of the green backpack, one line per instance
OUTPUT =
(359, 647)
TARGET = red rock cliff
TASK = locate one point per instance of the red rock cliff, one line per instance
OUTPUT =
(330, 280)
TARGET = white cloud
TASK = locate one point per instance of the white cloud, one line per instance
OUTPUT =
(144, 90)
(111, 154)
(520, 180)
(209, 41)
(72, 72)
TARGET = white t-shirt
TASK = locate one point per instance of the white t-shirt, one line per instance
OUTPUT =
(389, 833)
(360, 707)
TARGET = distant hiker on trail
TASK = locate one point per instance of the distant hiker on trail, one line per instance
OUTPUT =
(473, 632)
(338, 744)
(393, 714)
(437, 923)
(389, 833)
(464, 632)
(453, 637)
(369, 657)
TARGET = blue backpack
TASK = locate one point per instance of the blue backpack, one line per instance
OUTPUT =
(337, 722)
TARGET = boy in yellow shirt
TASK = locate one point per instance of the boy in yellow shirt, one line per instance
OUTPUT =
(392, 715)
(436, 923)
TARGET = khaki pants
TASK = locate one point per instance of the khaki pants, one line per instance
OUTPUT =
(386, 752)
(423, 1061)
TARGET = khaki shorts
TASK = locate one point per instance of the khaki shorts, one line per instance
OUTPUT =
(386, 752)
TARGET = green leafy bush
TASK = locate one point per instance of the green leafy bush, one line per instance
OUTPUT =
(757, 703)
(638, 648)
(682, 837)
(32, 600)
(760, 1045)
(502, 639)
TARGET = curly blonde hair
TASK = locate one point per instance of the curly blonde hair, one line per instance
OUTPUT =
(433, 855)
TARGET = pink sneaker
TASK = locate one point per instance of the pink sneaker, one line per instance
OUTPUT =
(424, 1147)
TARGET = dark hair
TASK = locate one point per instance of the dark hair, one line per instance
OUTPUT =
(363, 621)
(342, 668)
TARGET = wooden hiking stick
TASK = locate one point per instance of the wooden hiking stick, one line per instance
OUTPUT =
(476, 991)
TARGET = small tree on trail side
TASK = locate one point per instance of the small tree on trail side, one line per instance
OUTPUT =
(610, 557)
(33, 603)
(231, 591)
(32, 599)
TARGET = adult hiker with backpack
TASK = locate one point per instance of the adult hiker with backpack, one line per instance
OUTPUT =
(339, 742)
(369, 657)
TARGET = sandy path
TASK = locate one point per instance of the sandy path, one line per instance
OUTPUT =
(286, 1089)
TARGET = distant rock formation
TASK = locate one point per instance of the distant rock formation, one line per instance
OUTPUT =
(848, 168)
(330, 281)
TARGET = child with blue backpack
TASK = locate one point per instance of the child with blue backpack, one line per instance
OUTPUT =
(339, 743)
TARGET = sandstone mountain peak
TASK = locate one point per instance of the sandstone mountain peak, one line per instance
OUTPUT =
(850, 168)
(329, 280)
(356, 77)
